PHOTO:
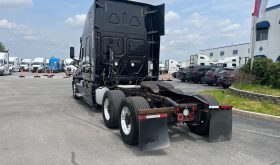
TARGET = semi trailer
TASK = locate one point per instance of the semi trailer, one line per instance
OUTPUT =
(4, 64)
(118, 70)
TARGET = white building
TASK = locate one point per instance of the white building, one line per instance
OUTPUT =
(241, 50)
(267, 41)
(268, 34)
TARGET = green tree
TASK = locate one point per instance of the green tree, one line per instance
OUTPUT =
(2, 47)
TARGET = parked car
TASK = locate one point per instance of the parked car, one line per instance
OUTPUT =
(180, 73)
(198, 72)
(211, 76)
(227, 77)
(174, 74)
(186, 75)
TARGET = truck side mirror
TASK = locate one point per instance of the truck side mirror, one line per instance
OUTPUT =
(72, 52)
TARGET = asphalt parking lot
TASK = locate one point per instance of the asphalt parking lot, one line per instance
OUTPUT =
(40, 123)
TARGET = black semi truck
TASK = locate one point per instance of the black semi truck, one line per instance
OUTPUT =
(118, 70)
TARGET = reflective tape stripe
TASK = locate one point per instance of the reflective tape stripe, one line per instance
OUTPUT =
(214, 107)
(145, 117)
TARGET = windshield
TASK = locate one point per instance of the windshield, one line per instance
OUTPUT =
(53, 64)
(11, 63)
(24, 63)
(37, 63)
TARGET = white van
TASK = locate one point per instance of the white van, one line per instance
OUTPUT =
(14, 63)
(25, 65)
(4, 64)
(39, 64)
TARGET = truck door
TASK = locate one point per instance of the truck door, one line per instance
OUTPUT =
(86, 71)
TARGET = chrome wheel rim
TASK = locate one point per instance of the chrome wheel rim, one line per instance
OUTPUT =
(126, 120)
(74, 90)
(106, 109)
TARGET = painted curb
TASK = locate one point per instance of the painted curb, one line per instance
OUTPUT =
(258, 116)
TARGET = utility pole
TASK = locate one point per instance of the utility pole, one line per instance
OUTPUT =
(253, 42)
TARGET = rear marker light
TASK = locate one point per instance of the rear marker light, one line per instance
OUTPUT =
(180, 117)
(226, 107)
(190, 116)
(194, 108)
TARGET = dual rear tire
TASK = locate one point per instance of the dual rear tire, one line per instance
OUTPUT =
(121, 112)
(110, 107)
(129, 122)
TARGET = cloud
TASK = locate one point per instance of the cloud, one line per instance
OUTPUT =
(230, 28)
(172, 16)
(15, 3)
(196, 20)
(30, 38)
(17, 29)
(76, 21)
(5, 24)
(224, 22)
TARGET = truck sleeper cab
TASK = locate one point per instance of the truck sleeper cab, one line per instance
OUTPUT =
(25, 65)
(55, 65)
(39, 65)
(118, 69)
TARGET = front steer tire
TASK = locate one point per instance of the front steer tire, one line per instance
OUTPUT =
(203, 128)
(134, 104)
(110, 111)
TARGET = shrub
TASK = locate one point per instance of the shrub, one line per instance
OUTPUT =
(245, 78)
(261, 70)
(275, 75)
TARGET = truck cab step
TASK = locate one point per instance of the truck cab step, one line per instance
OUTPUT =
(80, 95)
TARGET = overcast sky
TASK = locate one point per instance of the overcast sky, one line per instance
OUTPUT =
(44, 28)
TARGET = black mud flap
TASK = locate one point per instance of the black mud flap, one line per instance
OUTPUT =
(153, 134)
(220, 128)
